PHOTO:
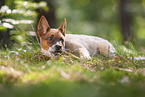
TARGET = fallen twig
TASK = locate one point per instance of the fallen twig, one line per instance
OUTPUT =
(71, 54)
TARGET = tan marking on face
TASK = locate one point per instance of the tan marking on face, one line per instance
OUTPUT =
(56, 36)
(51, 38)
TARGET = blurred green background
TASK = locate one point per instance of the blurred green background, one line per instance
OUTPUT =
(121, 21)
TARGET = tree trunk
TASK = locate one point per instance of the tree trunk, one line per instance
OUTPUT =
(50, 14)
(126, 19)
(4, 35)
(2, 3)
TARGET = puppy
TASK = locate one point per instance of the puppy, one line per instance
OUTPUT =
(53, 41)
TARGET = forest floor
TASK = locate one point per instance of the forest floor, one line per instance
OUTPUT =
(27, 73)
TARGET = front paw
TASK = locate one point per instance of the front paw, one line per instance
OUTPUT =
(85, 56)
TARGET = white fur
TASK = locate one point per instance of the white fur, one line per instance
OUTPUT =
(52, 49)
(47, 52)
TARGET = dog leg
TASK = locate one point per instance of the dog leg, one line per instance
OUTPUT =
(78, 49)
(84, 54)
(106, 49)
(103, 48)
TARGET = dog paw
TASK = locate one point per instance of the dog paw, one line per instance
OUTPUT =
(86, 57)
(84, 54)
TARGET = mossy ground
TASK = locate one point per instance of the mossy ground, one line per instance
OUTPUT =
(27, 73)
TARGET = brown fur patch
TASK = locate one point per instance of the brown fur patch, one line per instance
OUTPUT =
(57, 37)
(49, 36)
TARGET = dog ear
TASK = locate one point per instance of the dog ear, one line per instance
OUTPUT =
(43, 26)
(62, 28)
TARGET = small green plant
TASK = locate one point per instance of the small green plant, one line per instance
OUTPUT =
(20, 20)
(28, 70)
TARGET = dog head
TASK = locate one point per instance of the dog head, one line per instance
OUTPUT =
(52, 40)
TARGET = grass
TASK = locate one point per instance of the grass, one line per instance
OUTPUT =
(27, 73)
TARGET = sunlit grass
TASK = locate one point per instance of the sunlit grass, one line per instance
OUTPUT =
(26, 72)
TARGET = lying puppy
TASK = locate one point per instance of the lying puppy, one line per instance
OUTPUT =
(53, 41)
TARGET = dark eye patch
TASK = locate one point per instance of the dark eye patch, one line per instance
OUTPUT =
(61, 40)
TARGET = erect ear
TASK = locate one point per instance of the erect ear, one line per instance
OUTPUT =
(43, 26)
(62, 28)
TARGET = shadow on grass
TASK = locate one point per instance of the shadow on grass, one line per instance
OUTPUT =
(74, 89)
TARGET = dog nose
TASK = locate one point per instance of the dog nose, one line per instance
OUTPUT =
(58, 47)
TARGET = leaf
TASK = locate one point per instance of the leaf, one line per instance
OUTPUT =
(7, 25)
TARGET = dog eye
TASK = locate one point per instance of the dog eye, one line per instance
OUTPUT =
(51, 38)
